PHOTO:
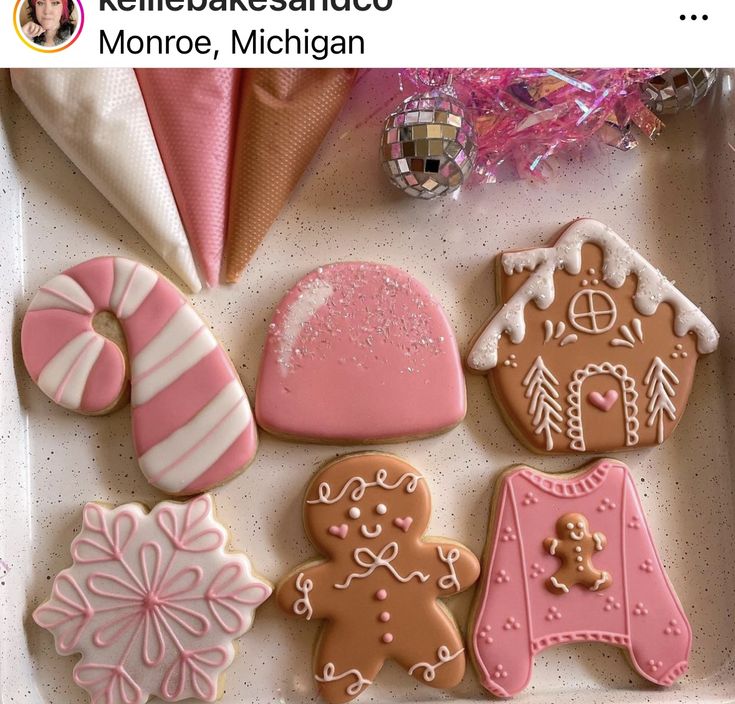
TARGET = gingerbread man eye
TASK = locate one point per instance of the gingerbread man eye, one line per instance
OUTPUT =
(580, 524)
(381, 509)
(570, 526)
(354, 512)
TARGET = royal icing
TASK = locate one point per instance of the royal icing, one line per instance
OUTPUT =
(152, 602)
(599, 567)
(569, 369)
(359, 352)
(379, 592)
(574, 546)
(191, 420)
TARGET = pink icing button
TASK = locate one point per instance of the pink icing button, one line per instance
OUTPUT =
(384, 616)
(362, 352)
(387, 637)
(381, 595)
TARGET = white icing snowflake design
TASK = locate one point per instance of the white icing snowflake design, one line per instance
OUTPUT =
(152, 602)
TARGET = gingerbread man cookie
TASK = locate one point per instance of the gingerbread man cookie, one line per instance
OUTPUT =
(574, 545)
(378, 585)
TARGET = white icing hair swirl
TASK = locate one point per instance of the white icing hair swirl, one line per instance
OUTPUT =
(324, 490)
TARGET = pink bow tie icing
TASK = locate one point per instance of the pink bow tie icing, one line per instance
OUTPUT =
(359, 352)
(192, 424)
(569, 560)
(604, 403)
(152, 602)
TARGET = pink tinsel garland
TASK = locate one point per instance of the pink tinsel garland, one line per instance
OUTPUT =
(525, 116)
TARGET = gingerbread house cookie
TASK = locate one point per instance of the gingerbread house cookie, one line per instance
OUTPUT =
(593, 349)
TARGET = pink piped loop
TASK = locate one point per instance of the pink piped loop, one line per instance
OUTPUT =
(110, 545)
(94, 518)
(114, 587)
(184, 581)
(108, 684)
(67, 614)
(154, 645)
(191, 621)
(185, 537)
(124, 528)
(225, 593)
(111, 632)
(188, 675)
(149, 556)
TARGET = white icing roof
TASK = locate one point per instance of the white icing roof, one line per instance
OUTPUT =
(620, 260)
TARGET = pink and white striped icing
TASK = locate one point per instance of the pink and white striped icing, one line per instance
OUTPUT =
(192, 424)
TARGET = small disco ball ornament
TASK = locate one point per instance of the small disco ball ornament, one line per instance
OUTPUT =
(428, 145)
(678, 88)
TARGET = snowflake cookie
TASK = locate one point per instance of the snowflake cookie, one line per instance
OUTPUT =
(152, 602)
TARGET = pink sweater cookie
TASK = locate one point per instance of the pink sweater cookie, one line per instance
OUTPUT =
(192, 424)
(359, 352)
(573, 560)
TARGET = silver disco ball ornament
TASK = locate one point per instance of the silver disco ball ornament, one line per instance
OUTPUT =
(428, 146)
(678, 88)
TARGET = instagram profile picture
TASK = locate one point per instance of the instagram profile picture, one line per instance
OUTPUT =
(48, 26)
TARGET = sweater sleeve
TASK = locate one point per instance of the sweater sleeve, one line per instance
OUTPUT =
(660, 635)
(500, 637)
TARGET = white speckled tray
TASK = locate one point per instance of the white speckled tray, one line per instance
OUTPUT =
(673, 200)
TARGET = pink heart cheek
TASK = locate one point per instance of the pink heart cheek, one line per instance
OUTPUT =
(339, 531)
(403, 523)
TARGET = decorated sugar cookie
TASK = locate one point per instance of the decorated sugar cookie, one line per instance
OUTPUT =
(592, 349)
(359, 353)
(192, 424)
(571, 558)
(152, 603)
(378, 580)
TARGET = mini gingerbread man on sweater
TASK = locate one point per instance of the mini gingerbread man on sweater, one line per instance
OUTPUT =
(379, 584)
(574, 545)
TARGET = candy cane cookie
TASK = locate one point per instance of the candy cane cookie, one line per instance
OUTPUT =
(191, 419)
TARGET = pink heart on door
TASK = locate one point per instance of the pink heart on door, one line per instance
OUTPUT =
(403, 523)
(340, 531)
(604, 403)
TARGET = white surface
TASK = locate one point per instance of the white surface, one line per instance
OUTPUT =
(673, 201)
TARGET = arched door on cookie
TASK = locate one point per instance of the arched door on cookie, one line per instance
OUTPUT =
(602, 411)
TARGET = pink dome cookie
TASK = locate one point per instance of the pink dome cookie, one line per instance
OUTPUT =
(359, 352)
(191, 420)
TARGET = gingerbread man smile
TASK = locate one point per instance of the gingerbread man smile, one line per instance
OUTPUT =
(367, 533)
